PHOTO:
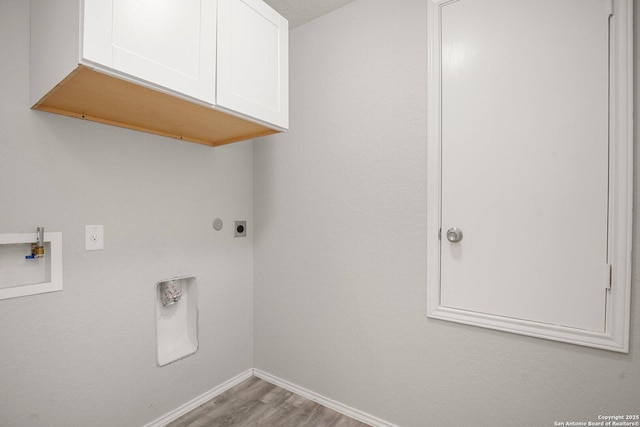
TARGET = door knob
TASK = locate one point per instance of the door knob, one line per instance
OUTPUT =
(454, 234)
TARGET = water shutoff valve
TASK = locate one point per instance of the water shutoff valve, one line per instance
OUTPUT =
(37, 249)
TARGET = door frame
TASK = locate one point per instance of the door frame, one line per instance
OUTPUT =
(618, 309)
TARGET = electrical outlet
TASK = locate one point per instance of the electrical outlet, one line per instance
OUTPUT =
(240, 228)
(94, 237)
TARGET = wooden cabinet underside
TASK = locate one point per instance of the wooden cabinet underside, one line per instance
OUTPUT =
(95, 96)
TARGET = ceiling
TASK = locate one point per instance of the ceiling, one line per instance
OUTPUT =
(298, 12)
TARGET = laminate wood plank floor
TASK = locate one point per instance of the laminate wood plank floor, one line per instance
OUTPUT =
(256, 402)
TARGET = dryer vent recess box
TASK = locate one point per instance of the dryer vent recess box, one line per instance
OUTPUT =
(218, 84)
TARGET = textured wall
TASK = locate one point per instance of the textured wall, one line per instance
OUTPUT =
(340, 275)
(86, 356)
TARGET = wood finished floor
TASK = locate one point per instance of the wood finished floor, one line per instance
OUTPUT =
(256, 402)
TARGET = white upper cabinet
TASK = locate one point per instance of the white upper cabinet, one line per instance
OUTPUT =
(253, 60)
(207, 71)
(173, 44)
(164, 42)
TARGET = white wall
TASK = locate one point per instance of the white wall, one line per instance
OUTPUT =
(86, 356)
(340, 274)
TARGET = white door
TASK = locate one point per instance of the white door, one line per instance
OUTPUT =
(524, 133)
(253, 61)
(170, 43)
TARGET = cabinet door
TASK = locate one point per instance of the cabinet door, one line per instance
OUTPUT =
(529, 168)
(170, 43)
(253, 61)
(526, 174)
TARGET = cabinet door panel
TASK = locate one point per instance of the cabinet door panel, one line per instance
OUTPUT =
(98, 32)
(253, 60)
(529, 154)
(525, 159)
(166, 42)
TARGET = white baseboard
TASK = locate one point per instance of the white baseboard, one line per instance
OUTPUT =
(325, 401)
(203, 398)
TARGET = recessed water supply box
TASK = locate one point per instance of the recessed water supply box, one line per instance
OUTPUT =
(30, 263)
(176, 319)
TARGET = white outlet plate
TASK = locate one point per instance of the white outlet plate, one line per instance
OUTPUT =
(94, 237)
